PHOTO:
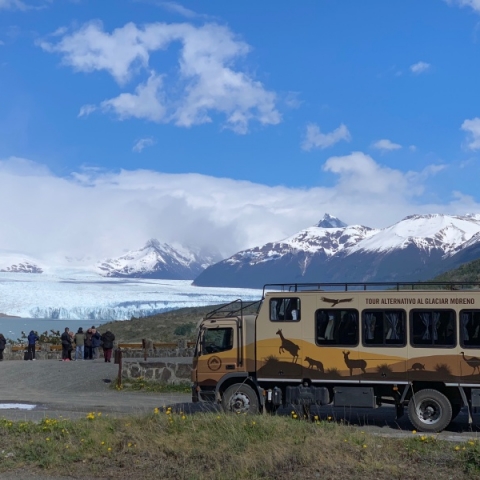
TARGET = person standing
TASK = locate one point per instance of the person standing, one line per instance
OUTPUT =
(96, 340)
(88, 345)
(80, 344)
(70, 349)
(32, 339)
(66, 344)
(3, 343)
(107, 342)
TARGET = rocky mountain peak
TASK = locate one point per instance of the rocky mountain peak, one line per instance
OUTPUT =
(329, 221)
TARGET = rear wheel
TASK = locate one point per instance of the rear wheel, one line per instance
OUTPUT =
(240, 398)
(429, 411)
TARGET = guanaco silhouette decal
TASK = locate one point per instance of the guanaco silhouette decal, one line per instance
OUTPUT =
(312, 363)
(417, 366)
(474, 362)
(335, 301)
(289, 346)
(351, 364)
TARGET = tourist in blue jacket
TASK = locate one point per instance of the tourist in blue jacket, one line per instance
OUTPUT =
(96, 341)
(32, 339)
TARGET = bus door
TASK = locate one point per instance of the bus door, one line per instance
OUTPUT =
(219, 351)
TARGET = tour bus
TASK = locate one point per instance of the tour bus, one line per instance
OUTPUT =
(413, 345)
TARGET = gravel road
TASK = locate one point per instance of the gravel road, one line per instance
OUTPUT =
(70, 389)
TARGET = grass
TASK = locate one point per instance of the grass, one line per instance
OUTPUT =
(218, 446)
(142, 384)
(160, 327)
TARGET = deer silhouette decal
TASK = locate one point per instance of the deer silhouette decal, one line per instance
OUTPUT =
(474, 362)
(335, 301)
(289, 346)
(351, 364)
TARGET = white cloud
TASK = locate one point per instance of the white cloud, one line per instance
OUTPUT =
(146, 102)
(205, 82)
(143, 143)
(12, 5)
(86, 110)
(474, 4)
(100, 214)
(177, 8)
(314, 138)
(386, 145)
(472, 127)
(24, 6)
(419, 67)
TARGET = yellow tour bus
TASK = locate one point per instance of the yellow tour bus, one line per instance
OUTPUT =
(412, 345)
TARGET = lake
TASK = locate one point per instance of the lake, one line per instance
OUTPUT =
(12, 327)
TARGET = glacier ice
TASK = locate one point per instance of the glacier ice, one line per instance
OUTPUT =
(77, 295)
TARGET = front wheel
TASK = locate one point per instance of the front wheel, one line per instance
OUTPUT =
(240, 398)
(429, 411)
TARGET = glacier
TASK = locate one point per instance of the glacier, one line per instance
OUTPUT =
(76, 294)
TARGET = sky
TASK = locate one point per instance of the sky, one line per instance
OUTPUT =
(226, 125)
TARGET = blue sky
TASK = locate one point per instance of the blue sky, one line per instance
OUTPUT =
(231, 123)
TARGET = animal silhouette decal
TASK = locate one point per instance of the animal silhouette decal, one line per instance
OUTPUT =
(289, 346)
(417, 366)
(312, 363)
(474, 362)
(335, 301)
(351, 364)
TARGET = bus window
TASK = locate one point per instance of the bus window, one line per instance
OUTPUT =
(285, 309)
(470, 328)
(433, 328)
(336, 327)
(383, 328)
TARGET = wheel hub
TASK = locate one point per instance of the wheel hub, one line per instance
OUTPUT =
(240, 403)
(429, 411)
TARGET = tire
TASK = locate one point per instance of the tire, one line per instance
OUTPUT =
(240, 398)
(429, 411)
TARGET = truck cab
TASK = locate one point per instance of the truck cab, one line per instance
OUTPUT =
(221, 356)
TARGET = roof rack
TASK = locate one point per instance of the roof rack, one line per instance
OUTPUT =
(308, 287)
(234, 309)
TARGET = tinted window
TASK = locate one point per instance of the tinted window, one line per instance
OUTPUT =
(470, 328)
(336, 327)
(433, 328)
(217, 340)
(284, 309)
(384, 328)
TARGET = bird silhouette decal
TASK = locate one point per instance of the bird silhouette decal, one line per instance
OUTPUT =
(335, 301)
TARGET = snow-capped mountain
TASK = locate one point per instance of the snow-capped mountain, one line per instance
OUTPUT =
(157, 260)
(16, 263)
(416, 248)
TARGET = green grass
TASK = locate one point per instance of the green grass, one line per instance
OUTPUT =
(218, 446)
(142, 384)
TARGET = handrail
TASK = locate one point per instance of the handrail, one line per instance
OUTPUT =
(133, 346)
(359, 286)
(232, 309)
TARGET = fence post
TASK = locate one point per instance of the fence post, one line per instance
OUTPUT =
(144, 346)
(118, 359)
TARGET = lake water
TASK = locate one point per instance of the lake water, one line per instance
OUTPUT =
(12, 327)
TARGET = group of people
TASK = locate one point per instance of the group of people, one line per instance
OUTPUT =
(86, 344)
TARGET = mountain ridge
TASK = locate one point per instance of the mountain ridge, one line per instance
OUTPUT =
(417, 247)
